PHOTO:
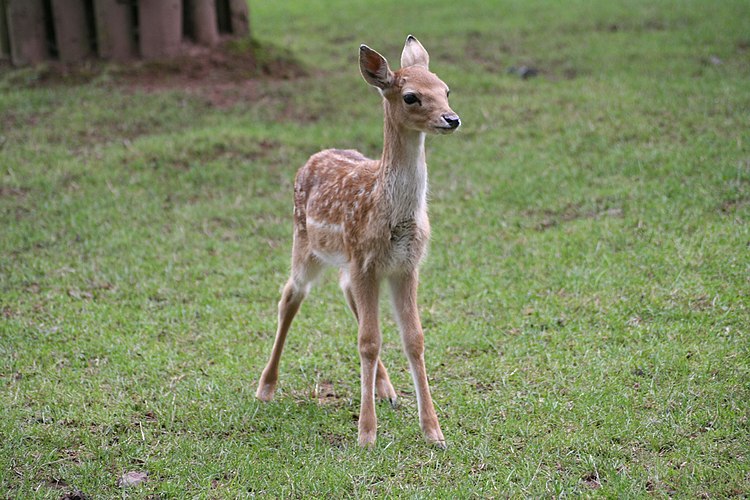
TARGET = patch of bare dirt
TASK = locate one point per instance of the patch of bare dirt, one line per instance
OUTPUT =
(223, 75)
(335, 440)
(13, 192)
(57, 483)
(572, 212)
(591, 480)
(74, 495)
(325, 393)
(733, 206)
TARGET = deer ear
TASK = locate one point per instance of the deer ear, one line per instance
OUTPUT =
(374, 68)
(414, 54)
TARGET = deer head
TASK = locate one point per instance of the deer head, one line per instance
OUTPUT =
(415, 98)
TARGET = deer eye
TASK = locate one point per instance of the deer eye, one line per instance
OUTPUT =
(411, 98)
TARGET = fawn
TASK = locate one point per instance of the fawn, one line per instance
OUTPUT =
(369, 219)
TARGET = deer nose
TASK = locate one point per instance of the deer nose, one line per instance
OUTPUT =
(452, 120)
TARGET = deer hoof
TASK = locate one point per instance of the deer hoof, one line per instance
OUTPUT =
(436, 439)
(442, 445)
(367, 438)
(265, 392)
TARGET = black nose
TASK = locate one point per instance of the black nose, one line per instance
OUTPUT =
(453, 121)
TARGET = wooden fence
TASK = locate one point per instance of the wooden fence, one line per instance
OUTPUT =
(32, 31)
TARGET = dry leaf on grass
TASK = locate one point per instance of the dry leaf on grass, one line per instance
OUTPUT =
(132, 478)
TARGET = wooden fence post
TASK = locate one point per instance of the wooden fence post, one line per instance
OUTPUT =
(71, 30)
(26, 31)
(160, 28)
(114, 30)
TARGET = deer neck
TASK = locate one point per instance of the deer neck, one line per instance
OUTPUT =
(403, 171)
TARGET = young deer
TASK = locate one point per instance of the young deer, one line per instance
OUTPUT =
(369, 219)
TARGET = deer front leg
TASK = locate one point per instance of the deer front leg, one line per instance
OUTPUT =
(404, 297)
(383, 387)
(365, 294)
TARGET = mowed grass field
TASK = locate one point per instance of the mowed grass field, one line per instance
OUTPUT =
(586, 300)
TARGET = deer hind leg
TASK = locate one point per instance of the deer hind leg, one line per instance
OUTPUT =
(304, 272)
(383, 387)
(404, 297)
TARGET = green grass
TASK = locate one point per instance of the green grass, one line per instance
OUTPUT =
(585, 300)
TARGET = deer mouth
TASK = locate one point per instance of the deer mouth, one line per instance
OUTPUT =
(444, 129)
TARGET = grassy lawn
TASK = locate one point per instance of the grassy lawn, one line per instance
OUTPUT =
(586, 300)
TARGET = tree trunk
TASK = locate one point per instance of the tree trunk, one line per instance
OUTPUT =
(4, 41)
(27, 34)
(71, 30)
(205, 25)
(114, 27)
(160, 28)
(239, 17)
